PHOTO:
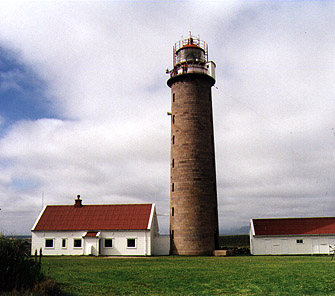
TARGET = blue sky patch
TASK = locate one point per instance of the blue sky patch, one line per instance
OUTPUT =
(21, 184)
(22, 92)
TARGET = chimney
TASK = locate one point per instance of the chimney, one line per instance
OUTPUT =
(77, 202)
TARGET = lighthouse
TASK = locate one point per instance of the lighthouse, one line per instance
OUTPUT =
(193, 196)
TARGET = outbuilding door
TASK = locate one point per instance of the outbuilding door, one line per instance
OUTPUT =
(315, 246)
(268, 246)
(284, 246)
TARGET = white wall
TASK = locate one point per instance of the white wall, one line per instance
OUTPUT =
(90, 245)
(39, 237)
(161, 245)
(267, 245)
(142, 237)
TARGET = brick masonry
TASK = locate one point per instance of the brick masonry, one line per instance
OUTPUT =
(193, 198)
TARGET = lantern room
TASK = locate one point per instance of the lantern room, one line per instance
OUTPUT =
(190, 56)
(190, 53)
(190, 50)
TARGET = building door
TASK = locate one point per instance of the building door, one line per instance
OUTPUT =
(284, 246)
(315, 246)
(100, 242)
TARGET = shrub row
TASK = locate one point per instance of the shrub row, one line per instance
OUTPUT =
(19, 273)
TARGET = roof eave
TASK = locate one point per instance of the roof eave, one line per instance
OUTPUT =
(38, 218)
(151, 216)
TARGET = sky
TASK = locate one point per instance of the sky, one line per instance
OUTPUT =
(84, 102)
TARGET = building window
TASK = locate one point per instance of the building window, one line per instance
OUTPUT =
(172, 234)
(172, 211)
(77, 243)
(172, 187)
(300, 241)
(108, 243)
(64, 242)
(173, 118)
(49, 243)
(173, 97)
(172, 139)
(131, 243)
(172, 163)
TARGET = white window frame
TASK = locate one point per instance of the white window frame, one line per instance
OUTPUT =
(81, 243)
(109, 238)
(135, 239)
(64, 239)
(49, 239)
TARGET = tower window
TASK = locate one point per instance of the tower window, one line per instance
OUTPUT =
(172, 211)
(173, 97)
(172, 187)
(172, 163)
(173, 118)
(172, 139)
(172, 234)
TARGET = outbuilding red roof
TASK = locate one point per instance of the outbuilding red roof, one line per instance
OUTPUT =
(95, 217)
(294, 226)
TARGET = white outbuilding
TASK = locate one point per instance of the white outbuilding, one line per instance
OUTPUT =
(119, 229)
(290, 236)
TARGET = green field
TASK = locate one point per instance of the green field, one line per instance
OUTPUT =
(244, 275)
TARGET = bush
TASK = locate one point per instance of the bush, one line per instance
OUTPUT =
(46, 287)
(17, 270)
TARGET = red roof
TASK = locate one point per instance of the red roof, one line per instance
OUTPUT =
(95, 217)
(294, 226)
(91, 234)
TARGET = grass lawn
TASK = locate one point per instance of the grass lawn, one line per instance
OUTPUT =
(245, 275)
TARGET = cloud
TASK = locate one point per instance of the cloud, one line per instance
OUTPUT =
(10, 79)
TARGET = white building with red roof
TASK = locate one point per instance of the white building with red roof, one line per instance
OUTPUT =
(108, 230)
(285, 236)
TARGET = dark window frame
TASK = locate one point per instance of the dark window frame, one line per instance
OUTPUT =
(131, 243)
(49, 243)
(76, 243)
(108, 241)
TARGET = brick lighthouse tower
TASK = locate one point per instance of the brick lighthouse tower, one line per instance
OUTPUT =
(193, 200)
